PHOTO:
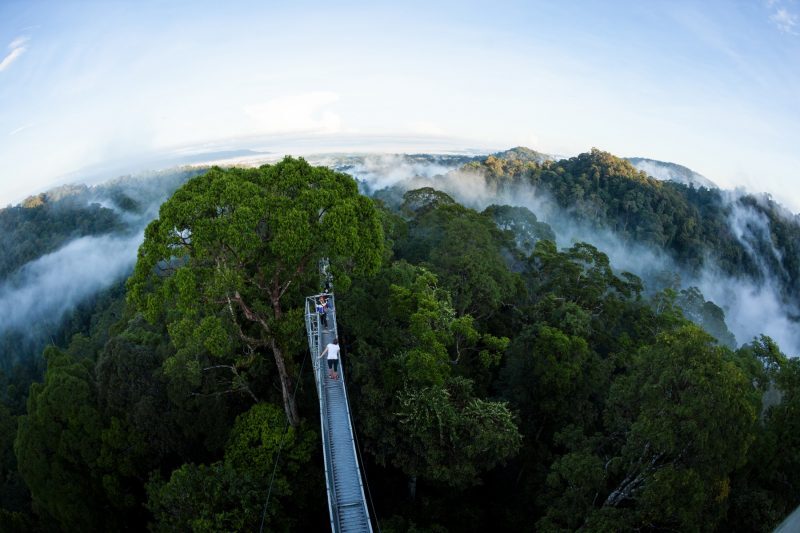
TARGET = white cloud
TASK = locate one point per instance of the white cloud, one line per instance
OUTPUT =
(17, 47)
(530, 140)
(19, 42)
(299, 113)
(12, 56)
(784, 18)
(21, 128)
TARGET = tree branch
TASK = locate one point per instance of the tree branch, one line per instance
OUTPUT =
(250, 341)
(236, 386)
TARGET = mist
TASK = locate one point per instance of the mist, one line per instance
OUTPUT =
(39, 295)
(752, 306)
(46, 289)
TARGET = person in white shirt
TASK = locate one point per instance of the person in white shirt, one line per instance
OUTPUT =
(333, 358)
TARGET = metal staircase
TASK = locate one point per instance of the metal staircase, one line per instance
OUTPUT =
(346, 502)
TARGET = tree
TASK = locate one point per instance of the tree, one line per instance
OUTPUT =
(58, 443)
(14, 495)
(677, 424)
(229, 495)
(466, 250)
(220, 262)
(766, 489)
(706, 314)
(416, 415)
(424, 199)
(522, 223)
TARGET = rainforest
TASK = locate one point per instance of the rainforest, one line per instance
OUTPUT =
(530, 343)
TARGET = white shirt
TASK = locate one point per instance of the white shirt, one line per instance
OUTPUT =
(333, 351)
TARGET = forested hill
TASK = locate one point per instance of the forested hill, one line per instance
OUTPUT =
(61, 249)
(745, 235)
(46, 221)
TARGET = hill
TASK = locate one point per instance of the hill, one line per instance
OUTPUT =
(671, 172)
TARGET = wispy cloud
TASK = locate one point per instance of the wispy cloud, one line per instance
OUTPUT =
(783, 16)
(21, 128)
(785, 20)
(17, 47)
(19, 42)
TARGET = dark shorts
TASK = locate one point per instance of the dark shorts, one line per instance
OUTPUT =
(334, 364)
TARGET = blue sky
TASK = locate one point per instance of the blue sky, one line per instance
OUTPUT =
(712, 85)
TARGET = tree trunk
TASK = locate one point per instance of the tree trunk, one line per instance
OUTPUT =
(286, 385)
(286, 382)
(412, 488)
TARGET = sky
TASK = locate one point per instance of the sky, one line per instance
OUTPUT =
(712, 85)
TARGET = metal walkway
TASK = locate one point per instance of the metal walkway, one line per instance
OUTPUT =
(346, 502)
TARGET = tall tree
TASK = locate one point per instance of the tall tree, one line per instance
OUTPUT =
(677, 424)
(415, 414)
(219, 262)
(58, 443)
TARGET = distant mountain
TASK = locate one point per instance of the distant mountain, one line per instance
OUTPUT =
(521, 153)
(664, 171)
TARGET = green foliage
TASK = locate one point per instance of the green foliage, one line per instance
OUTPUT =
(13, 492)
(30, 232)
(416, 414)
(58, 442)
(466, 251)
(499, 381)
(448, 436)
(706, 314)
(765, 490)
(676, 426)
(45, 222)
(522, 223)
(692, 224)
(229, 495)
(423, 200)
(551, 376)
(230, 253)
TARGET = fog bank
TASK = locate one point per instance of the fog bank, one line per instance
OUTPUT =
(46, 289)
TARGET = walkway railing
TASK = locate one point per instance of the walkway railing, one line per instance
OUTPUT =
(347, 505)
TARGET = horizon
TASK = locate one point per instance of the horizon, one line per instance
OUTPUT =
(226, 155)
(707, 85)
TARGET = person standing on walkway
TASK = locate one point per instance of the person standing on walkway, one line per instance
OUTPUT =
(323, 317)
(333, 358)
(326, 303)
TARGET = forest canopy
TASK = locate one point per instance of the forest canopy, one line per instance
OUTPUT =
(498, 380)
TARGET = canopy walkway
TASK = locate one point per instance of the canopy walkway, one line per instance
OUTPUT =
(346, 502)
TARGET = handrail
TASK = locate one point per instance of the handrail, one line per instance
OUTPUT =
(313, 328)
(352, 438)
